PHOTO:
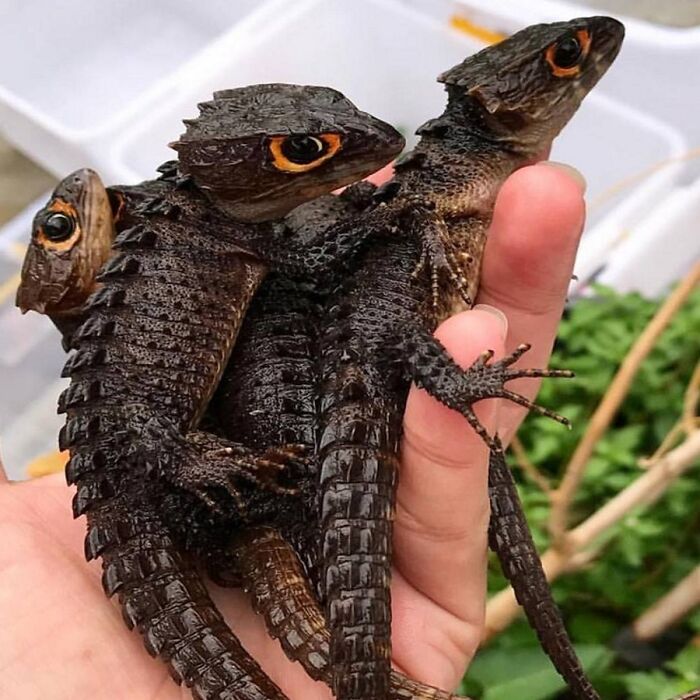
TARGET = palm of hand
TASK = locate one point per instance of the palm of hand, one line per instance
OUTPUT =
(64, 640)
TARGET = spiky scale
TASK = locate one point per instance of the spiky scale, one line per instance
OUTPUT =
(83, 359)
(78, 429)
(106, 296)
(169, 167)
(78, 393)
(135, 237)
(118, 266)
(90, 493)
(96, 326)
(81, 463)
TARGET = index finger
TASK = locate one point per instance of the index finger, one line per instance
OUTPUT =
(528, 263)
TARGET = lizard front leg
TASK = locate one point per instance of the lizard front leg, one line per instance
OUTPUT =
(428, 364)
(213, 468)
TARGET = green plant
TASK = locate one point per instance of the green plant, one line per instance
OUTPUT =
(647, 551)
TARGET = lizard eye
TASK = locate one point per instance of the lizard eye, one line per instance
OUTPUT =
(58, 227)
(564, 56)
(300, 152)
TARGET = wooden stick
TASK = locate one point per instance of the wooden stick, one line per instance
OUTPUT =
(674, 606)
(564, 495)
(530, 470)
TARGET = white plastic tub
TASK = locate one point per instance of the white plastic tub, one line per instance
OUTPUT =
(661, 248)
(76, 74)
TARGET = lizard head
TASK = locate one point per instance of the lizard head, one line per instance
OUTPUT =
(261, 150)
(71, 239)
(529, 85)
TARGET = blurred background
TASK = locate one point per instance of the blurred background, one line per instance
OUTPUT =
(106, 85)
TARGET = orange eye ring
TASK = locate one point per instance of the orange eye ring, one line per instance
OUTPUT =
(331, 144)
(58, 206)
(584, 39)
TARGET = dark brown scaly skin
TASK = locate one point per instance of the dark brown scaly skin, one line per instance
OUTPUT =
(266, 398)
(511, 540)
(505, 105)
(277, 583)
(157, 337)
(276, 342)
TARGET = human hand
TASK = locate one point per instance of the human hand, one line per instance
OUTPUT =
(60, 639)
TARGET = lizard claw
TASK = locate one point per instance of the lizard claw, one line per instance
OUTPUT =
(487, 380)
(438, 256)
(215, 470)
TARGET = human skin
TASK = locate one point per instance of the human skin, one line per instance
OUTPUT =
(59, 638)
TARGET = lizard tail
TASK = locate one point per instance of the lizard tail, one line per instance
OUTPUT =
(164, 597)
(273, 576)
(358, 464)
(510, 539)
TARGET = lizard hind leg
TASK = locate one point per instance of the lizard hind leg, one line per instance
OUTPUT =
(429, 365)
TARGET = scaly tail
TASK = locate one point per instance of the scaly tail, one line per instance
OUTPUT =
(272, 574)
(163, 595)
(510, 539)
(358, 463)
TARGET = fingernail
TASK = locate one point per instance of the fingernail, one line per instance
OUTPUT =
(497, 313)
(569, 170)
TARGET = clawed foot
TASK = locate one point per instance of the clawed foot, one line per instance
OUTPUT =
(213, 468)
(440, 259)
(224, 467)
(486, 380)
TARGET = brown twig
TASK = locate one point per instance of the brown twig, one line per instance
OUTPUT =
(564, 495)
(691, 401)
(666, 611)
(686, 424)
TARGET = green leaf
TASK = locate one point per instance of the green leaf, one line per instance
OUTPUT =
(687, 664)
(527, 674)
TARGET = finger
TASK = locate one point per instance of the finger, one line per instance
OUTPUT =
(442, 508)
(386, 173)
(528, 263)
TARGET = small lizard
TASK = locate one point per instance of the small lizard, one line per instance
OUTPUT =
(276, 339)
(505, 105)
(157, 335)
(290, 400)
